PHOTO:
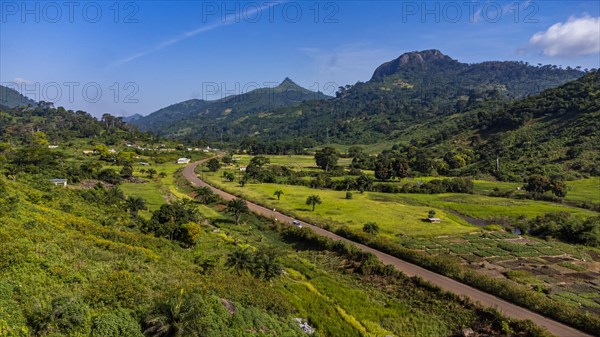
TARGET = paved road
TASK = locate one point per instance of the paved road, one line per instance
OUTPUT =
(409, 269)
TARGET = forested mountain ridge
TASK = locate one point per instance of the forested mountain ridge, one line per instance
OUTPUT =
(61, 126)
(416, 87)
(555, 133)
(10, 98)
(193, 117)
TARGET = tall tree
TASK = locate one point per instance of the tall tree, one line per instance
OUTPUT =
(240, 260)
(237, 207)
(278, 194)
(313, 200)
(134, 205)
(204, 195)
(327, 158)
(213, 165)
(177, 317)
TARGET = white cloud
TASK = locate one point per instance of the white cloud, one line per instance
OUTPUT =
(20, 80)
(576, 37)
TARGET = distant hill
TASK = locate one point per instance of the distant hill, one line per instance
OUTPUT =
(10, 98)
(196, 117)
(414, 88)
(554, 133)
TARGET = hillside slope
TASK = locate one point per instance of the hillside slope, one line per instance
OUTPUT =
(416, 87)
(195, 118)
(10, 98)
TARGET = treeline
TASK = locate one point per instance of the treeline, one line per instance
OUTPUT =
(565, 227)
(259, 170)
(255, 146)
(61, 126)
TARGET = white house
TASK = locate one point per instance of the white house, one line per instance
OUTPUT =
(243, 168)
(183, 160)
(53, 146)
(59, 182)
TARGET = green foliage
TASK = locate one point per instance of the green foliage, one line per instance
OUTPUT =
(230, 176)
(178, 316)
(237, 207)
(213, 164)
(204, 195)
(371, 228)
(567, 228)
(278, 194)
(64, 315)
(115, 323)
(134, 205)
(327, 158)
(240, 260)
(169, 220)
(313, 200)
(126, 171)
(207, 264)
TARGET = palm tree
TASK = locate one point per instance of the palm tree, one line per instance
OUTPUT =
(114, 196)
(151, 172)
(237, 207)
(278, 193)
(371, 228)
(177, 317)
(204, 195)
(266, 266)
(313, 200)
(240, 260)
(134, 205)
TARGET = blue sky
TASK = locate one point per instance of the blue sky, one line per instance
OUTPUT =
(146, 55)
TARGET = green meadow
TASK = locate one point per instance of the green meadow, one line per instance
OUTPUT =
(293, 161)
(396, 213)
(584, 190)
(392, 217)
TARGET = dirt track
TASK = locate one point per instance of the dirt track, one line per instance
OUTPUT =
(410, 269)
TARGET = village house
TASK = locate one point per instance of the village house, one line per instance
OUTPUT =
(59, 182)
(183, 160)
(434, 220)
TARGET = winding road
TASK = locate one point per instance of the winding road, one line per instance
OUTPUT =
(445, 283)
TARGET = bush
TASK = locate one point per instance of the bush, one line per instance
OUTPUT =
(115, 324)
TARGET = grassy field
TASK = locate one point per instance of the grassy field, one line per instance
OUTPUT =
(392, 217)
(584, 190)
(394, 213)
(295, 161)
(484, 207)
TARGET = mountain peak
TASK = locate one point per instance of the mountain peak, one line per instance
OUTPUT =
(414, 59)
(287, 82)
